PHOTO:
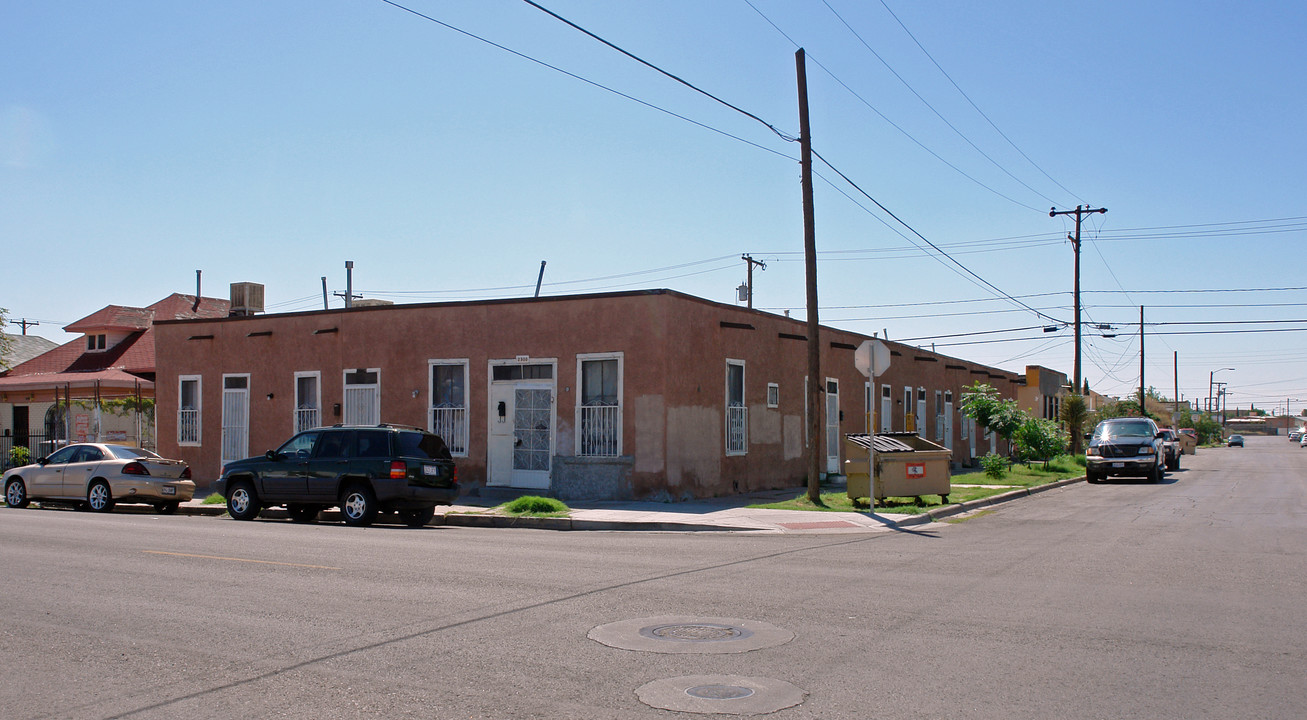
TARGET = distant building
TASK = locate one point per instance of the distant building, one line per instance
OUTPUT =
(59, 395)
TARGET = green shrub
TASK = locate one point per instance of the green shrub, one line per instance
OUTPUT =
(535, 505)
(995, 466)
(19, 455)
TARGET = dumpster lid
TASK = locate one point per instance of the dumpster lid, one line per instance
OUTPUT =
(885, 442)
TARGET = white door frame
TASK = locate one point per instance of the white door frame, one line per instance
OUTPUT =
(833, 425)
(375, 400)
(501, 438)
(235, 419)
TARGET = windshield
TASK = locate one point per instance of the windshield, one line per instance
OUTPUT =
(422, 445)
(123, 452)
(1141, 428)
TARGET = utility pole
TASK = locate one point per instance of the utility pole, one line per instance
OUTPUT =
(540, 278)
(1143, 409)
(749, 278)
(816, 408)
(1175, 369)
(1079, 212)
(26, 323)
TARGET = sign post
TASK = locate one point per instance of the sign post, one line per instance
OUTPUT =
(871, 359)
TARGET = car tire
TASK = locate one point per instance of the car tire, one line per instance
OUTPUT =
(1093, 478)
(417, 518)
(99, 497)
(302, 513)
(1175, 464)
(358, 505)
(16, 494)
(1158, 475)
(242, 502)
(167, 508)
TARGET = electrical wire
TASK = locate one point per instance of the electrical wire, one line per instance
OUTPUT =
(971, 102)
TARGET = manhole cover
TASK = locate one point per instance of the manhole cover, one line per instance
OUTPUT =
(719, 692)
(723, 694)
(695, 632)
(687, 634)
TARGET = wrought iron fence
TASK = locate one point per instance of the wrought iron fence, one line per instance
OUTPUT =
(601, 430)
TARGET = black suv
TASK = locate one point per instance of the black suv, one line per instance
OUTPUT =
(1125, 446)
(363, 470)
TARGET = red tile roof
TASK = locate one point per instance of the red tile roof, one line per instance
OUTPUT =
(135, 354)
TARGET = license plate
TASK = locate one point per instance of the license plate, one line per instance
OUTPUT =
(1116, 465)
(430, 470)
(169, 490)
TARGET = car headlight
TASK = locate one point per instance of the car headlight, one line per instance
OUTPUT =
(1092, 452)
(1146, 450)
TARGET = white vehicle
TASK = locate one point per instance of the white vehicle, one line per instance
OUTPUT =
(100, 476)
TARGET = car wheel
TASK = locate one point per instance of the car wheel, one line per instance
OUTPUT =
(1158, 475)
(16, 493)
(302, 513)
(1092, 477)
(359, 505)
(99, 498)
(242, 503)
(166, 508)
(417, 518)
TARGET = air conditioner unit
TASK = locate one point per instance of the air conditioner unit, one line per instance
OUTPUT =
(246, 298)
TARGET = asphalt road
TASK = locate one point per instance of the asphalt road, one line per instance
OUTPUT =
(1121, 600)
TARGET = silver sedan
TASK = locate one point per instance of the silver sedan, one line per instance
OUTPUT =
(100, 476)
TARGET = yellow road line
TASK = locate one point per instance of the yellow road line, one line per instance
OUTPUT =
(244, 560)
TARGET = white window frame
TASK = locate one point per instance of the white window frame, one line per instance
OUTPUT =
(461, 424)
(736, 415)
(773, 395)
(199, 410)
(619, 409)
(295, 424)
(345, 386)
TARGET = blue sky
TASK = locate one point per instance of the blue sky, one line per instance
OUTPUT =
(272, 141)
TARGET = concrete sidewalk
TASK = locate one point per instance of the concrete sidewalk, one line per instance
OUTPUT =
(714, 514)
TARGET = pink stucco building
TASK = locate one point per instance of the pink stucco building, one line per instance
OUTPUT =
(624, 395)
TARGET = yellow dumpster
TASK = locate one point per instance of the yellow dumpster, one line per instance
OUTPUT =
(906, 466)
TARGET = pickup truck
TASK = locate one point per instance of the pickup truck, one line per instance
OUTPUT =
(1172, 447)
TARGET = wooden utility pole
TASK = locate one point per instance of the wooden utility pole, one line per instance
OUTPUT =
(749, 278)
(1079, 212)
(25, 323)
(816, 408)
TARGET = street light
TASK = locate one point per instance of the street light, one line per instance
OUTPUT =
(1210, 384)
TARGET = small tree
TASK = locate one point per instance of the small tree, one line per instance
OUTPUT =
(1039, 439)
(1074, 414)
(982, 403)
(1208, 429)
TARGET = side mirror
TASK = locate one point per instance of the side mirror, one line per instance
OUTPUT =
(43, 461)
(1089, 436)
(272, 455)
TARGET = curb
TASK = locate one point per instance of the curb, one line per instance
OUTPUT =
(982, 503)
(464, 519)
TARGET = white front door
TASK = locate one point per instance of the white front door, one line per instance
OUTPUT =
(363, 397)
(832, 425)
(948, 424)
(886, 408)
(235, 418)
(521, 444)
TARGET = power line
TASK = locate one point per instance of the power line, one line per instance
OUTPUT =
(925, 102)
(884, 117)
(588, 81)
(913, 230)
(970, 101)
